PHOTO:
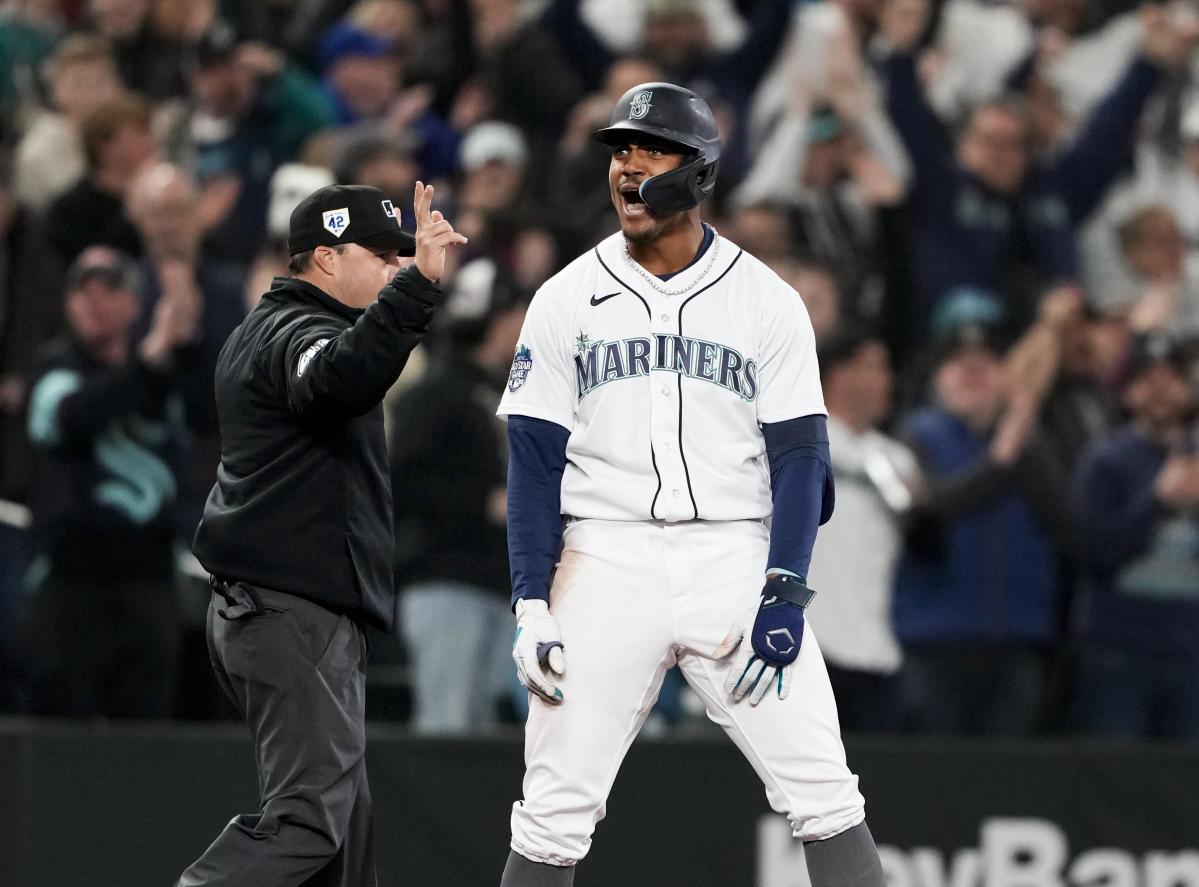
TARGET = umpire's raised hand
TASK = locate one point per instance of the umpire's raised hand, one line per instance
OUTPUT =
(433, 234)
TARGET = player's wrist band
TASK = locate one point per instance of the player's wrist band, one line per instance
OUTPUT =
(792, 589)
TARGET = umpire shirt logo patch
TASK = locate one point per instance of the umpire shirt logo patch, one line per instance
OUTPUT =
(309, 353)
(522, 365)
(640, 104)
(336, 220)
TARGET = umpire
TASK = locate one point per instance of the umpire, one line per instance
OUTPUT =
(297, 531)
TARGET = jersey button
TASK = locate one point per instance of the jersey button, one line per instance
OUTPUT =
(675, 493)
(665, 317)
(665, 391)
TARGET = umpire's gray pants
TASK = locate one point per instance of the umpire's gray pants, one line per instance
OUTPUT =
(296, 672)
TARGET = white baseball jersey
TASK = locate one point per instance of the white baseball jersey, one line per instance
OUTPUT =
(664, 385)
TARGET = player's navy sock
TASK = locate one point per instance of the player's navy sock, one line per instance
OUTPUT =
(521, 872)
(849, 859)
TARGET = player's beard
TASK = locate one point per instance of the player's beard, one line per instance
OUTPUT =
(644, 235)
(659, 226)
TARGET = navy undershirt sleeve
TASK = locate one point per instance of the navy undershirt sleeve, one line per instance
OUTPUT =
(536, 460)
(801, 487)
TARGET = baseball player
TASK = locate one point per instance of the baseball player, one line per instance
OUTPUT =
(663, 403)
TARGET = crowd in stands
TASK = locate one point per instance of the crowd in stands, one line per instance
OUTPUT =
(989, 207)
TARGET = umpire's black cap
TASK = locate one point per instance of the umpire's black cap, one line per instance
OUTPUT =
(339, 214)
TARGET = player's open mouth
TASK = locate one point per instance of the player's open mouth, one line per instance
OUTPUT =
(633, 204)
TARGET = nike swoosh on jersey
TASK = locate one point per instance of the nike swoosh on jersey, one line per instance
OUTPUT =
(601, 299)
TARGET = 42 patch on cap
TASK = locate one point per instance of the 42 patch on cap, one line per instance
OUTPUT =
(336, 220)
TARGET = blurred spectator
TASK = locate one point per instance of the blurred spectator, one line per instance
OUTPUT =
(449, 467)
(1167, 176)
(361, 72)
(833, 164)
(986, 213)
(28, 31)
(492, 161)
(491, 173)
(397, 20)
(294, 27)
(816, 282)
(1059, 360)
(81, 76)
(290, 183)
(150, 39)
(514, 70)
(619, 25)
(30, 313)
(1175, 180)
(1138, 493)
(177, 26)
(976, 592)
(1097, 41)
(163, 203)
(364, 79)
(384, 161)
(1067, 52)
(978, 46)
(1072, 50)
(117, 145)
(856, 552)
(763, 229)
(823, 35)
(249, 111)
(123, 24)
(1057, 364)
(1165, 286)
(14, 561)
(529, 253)
(496, 204)
(103, 632)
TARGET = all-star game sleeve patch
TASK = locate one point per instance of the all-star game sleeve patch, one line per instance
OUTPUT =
(522, 365)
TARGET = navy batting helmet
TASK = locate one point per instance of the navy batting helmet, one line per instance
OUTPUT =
(678, 116)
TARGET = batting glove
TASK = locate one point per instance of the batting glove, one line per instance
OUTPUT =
(765, 654)
(537, 650)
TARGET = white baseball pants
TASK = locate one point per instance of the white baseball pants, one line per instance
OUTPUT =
(632, 599)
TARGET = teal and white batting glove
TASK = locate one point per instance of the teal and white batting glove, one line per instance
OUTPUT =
(537, 650)
(766, 640)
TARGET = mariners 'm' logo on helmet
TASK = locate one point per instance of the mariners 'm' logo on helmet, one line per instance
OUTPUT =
(640, 104)
(522, 365)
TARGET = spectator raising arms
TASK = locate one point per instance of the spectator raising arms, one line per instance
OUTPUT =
(104, 630)
(1137, 495)
(985, 212)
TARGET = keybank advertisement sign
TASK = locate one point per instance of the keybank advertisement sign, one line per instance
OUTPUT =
(1011, 852)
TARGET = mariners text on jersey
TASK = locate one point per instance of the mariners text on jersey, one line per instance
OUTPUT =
(597, 363)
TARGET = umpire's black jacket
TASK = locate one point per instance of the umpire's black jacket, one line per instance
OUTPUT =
(302, 501)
